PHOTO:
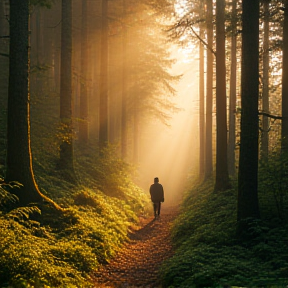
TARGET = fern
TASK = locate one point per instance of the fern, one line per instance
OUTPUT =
(20, 213)
(23, 213)
(5, 196)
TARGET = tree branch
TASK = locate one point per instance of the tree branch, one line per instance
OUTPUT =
(202, 41)
(5, 55)
(270, 115)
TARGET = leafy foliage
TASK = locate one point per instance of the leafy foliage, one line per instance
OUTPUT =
(42, 3)
(208, 253)
(63, 248)
(273, 184)
(5, 196)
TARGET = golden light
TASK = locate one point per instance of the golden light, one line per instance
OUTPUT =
(181, 8)
(170, 153)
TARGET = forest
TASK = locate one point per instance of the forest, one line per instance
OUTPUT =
(98, 97)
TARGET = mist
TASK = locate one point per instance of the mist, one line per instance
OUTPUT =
(170, 152)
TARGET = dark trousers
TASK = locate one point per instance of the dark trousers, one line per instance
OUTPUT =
(157, 207)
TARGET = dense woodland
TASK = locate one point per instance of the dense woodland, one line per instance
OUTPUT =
(80, 82)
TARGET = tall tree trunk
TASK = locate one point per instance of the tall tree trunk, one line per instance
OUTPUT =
(222, 177)
(4, 23)
(83, 124)
(66, 147)
(248, 160)
(265, 91)
(103, 113)
(209, 91)
(19, 156)
(39, 36)
(232, 100)
(95, 61)
(284, 130)
(124, 88)
(201, 108)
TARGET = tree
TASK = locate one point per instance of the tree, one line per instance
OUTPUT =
(265, 89)
(222, 177)
(124, 85)
(232, 98)
(201, 100)
(209, 90)
(284, 128)
(150, 86)
(83, 124)
(247, 206)
(103, 113)
(19, 155)
(66, 147)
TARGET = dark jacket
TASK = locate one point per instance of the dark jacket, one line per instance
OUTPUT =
(157, 192)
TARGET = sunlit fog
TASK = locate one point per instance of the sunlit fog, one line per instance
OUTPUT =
(167, 151)
(170, 152)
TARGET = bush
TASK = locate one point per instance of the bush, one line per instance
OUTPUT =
(44, 247)
(207, 253)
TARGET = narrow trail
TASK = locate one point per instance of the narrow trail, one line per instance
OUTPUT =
(137, 264)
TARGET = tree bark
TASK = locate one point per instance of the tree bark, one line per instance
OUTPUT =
(124, 88)
(83, 124)
(222, 177)
(284, 129)
(201, 109)
(209, 91)
(232, 99)
(103, 113)
(66, 147)
(19, 155)
(265, 90)
(248, 160)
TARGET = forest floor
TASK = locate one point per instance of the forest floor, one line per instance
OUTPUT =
(137, 263)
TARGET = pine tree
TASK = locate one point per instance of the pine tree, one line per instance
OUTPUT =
(222, 178)
(66, 163)
(19, 155)
(248, 160)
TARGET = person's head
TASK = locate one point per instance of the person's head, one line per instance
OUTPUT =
(156, 180)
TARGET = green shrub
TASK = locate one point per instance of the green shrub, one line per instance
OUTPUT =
(44, 247)
(273, 186)
(61, 248)
(207, 253)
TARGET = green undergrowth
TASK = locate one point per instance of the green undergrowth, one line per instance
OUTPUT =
(44, 247)
(207, 252)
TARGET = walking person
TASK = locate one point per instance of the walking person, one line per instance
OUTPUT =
(157, 196)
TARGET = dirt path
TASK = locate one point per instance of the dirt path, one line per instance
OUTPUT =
(137, 264)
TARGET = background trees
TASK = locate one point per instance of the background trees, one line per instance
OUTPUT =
(46, 70)
(245, 134)
(83, 124)
(66, 146)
